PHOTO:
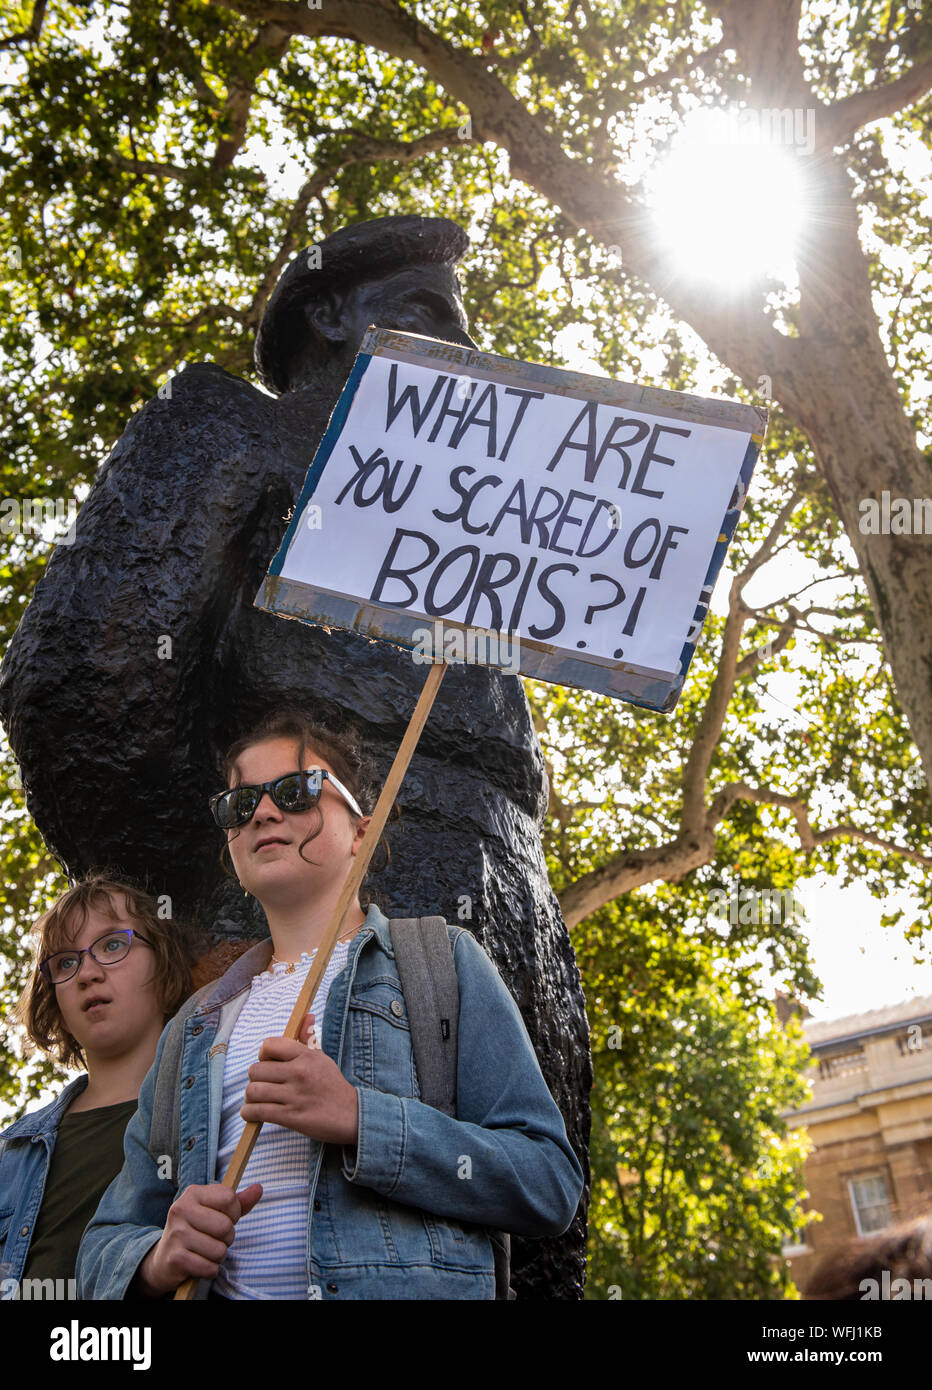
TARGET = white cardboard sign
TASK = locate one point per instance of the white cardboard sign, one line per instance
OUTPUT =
(587, 516)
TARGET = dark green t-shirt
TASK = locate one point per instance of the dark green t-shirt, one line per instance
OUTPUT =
(87, 1156)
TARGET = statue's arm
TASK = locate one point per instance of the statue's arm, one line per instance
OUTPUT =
(104, 687)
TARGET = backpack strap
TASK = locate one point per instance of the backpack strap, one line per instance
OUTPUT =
(427, 971)
(428, 982)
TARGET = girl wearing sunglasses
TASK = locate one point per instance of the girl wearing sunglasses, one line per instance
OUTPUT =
(355, 1188)
(110, 972)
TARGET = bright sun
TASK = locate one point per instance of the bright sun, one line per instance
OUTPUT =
(727, 201)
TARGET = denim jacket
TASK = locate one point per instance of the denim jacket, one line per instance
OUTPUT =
(406, 1216)
(25, 1156)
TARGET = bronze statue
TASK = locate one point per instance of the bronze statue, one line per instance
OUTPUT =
(141, 657)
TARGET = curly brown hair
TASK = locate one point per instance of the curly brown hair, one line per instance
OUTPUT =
(903, 1250)
(343, 751)
(56, 930)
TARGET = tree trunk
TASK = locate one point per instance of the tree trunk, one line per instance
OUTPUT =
(841, 391)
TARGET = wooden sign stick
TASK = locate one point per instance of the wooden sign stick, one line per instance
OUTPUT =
(370, 839)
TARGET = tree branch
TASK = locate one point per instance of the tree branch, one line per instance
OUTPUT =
(209, 314)
(750, 663)
(766, 41)
(356, 151)
(32, 30)
(190, 66)
(564, 813)
(712, 721)
(766, 550)
(515, 60)
(667, 863)
(809, 839)
(162, 171)
(694, 846)
(840, 121)
(269, 45)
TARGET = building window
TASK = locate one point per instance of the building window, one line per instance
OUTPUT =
(870, 1202)
(795, 1243)
(842, 1064)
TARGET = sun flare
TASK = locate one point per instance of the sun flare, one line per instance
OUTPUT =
(727, 202)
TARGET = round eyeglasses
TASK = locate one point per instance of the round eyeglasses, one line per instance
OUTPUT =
(296, 791)
(106, 950)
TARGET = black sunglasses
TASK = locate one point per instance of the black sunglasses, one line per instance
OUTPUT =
(296, 791)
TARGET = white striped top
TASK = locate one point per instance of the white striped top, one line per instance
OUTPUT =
(268, 1257)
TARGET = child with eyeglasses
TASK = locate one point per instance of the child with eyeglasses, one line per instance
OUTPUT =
(109, 973)
(356, 1188)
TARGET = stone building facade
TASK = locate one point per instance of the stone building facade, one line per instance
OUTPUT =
(870, 1122)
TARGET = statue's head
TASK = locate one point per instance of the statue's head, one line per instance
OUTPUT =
(395, 272)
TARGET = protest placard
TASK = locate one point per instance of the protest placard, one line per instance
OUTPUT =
(446, 486)
(456, 490)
